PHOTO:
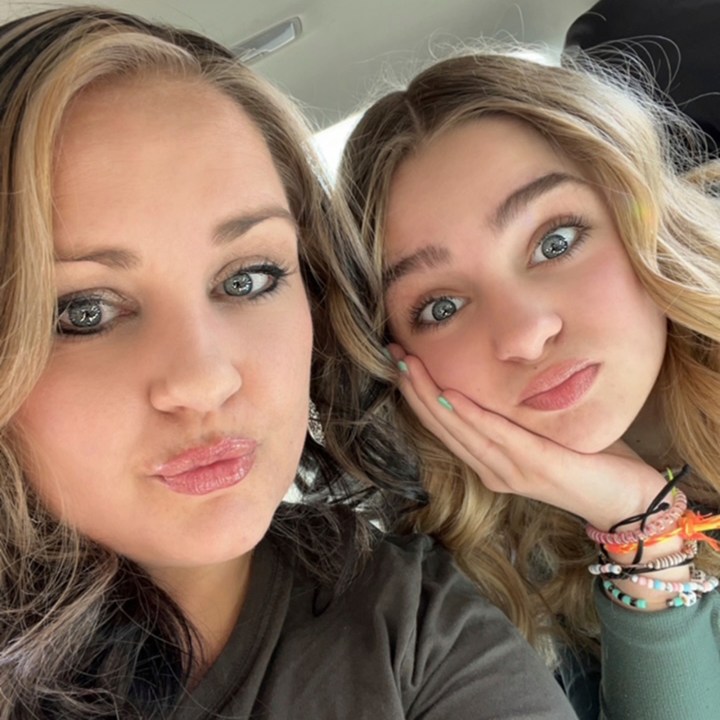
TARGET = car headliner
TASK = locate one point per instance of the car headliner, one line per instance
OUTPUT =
(346, 46)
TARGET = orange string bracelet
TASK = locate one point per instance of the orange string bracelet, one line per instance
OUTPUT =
(691, 526)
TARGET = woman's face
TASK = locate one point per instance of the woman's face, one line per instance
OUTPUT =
(507, 278)
(169, 423)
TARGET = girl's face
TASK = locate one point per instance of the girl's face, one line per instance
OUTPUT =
(169, 423)
(507, 278)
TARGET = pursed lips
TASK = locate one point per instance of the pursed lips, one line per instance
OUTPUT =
(560, 386)
(206, 468)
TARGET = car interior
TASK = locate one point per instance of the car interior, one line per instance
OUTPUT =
(334, 56)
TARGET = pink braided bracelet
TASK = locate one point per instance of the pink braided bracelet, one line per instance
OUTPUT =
(652, 528)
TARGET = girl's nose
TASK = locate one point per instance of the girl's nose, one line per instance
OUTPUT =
(522, 331)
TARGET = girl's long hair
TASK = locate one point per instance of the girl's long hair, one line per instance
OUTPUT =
(85, 633)
(530, 558)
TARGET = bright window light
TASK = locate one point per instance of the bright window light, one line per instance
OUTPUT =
(330, 142)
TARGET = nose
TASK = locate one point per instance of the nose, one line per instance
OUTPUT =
(522, 329)
(194, 368)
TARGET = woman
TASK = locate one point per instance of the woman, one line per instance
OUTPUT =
(165, 245)
(551, 293)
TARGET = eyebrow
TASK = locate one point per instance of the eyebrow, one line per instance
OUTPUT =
(237, 227)
(427, 258)
(225, 232)
(519, 199)
(431, 257)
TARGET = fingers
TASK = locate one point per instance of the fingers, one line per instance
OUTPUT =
(466, 437)
(421, 396)
(508, 458)
(603, 487)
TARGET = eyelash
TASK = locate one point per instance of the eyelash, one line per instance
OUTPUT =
(92, 296)
(417, 310)
(576, 222)
(559, 223)
(276, 273)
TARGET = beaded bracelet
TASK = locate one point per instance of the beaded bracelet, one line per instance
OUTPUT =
(683, 598)
(699, 583)
(624, 598)
(625, 571)
(652, 529)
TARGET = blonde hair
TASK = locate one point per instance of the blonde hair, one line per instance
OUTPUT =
(85, 633)
(529, 558)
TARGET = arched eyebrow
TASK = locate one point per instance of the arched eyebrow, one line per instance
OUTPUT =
(431, 257)
(237, 227)
(520, 198)
(115, 258)
(427, 258)
(226, 231)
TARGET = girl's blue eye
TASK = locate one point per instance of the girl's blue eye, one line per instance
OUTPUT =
(252, 282)
(84, 315)
(438, 310)
(556, 243)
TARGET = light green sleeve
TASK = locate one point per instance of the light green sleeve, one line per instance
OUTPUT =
(662, 665)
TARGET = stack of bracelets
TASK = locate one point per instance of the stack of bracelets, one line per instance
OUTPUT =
(661, 521)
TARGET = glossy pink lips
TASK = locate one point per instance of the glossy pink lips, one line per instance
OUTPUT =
(203, 470)
(560, 387)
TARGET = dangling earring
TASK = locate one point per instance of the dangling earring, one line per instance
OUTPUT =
(315, 427)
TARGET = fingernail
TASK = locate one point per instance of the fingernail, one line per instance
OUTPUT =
(388, 354)
(445, 402)
(402, 367)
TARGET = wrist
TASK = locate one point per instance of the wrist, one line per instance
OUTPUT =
(638, 493)
(646, 559)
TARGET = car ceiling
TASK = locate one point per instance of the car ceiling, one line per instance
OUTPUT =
(346, 46)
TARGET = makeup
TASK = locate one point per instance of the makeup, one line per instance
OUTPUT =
(205, 469)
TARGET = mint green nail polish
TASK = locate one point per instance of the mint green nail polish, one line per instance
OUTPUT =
(402, 367)
(387, 354)
(445, 402)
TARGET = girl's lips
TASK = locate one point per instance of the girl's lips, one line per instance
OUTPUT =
(570, 385)
(204, 469)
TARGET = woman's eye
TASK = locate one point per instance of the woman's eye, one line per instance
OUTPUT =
(253, 282)
(85, 315)
(438, 310)
(556, 243)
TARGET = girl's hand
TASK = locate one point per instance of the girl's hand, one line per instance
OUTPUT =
(602, 488)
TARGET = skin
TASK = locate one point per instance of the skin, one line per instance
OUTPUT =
(146, 174)
(514, 315)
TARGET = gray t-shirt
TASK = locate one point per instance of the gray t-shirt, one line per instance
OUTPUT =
(410, 638)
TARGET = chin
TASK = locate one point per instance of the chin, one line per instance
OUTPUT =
(587, 438)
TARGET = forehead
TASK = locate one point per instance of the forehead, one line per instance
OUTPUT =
(463, 174)
(143, 111)
(501, 148)
(151, 148)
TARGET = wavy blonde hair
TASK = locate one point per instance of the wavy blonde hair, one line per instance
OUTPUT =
(529, 558)
(85, 633)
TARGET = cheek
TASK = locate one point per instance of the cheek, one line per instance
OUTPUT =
(68, 428)
(284, 362)
(463, 361)
(54, 413)
(293, 345)
(618, 301)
